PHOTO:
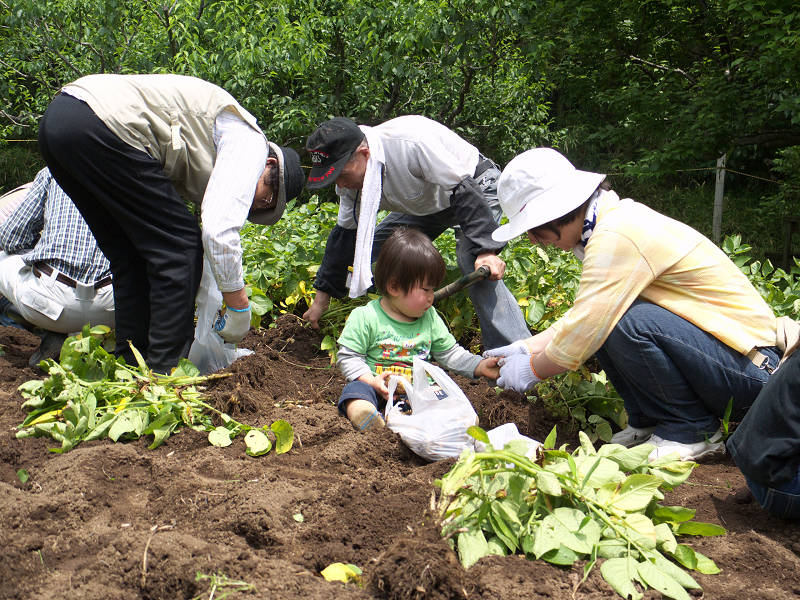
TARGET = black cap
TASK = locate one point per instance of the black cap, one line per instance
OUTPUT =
(290, 184)
(331, 146)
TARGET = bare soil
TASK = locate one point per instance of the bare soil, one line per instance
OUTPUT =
(120, 521)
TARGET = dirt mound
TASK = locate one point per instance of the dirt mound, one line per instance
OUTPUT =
(120, 521)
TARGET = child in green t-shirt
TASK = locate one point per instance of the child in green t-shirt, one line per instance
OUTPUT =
(383, 337)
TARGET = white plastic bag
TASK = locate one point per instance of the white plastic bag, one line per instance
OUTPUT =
(209, 353)
(503, 434)
(440, 414)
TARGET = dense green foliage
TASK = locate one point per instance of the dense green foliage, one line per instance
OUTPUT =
(563, 507)
(89, 395)
(650, 92)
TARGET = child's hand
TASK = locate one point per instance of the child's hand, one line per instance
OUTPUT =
(378, 382)
(488, 368)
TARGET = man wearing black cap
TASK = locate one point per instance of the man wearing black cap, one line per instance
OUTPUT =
(130, 150)
(430, 179)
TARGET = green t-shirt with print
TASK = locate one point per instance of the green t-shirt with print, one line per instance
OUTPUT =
(391, 345)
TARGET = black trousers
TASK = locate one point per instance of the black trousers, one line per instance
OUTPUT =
(141, 224)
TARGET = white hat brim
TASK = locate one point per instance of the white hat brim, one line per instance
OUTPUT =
(551, 204)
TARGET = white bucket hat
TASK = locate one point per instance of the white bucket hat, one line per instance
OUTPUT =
(539, 186)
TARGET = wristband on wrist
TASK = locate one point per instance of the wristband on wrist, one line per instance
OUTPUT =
(534, 369)
(239, 310)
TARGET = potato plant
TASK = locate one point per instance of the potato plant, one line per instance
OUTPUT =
(90, 395)
(598, 506)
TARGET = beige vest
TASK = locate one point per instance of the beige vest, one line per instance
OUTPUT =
(171, 117)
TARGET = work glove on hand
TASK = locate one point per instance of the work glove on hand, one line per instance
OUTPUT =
(233, 324)
(518, 347)
(516, 373)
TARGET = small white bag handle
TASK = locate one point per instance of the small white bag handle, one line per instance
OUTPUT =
(393, 381)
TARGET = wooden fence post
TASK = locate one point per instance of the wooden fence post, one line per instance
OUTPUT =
(719, 190)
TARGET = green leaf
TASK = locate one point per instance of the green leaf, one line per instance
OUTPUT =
(672, 514)
(560, 556)
(692, 559)
(472, 546)
(641, 529)
(673, 570)
(23, 475)
(284, 436)
(658, 580)
(139, 359)
(586, 444)
(328, 343)
(550, 440)
(220, 437)
(257, 443)
(502, 529)
(665, 539)
(124, 423)
(478, 434)
(496, 547)
(620, 574)
(696, 528)
(635, 493)
(548, 483)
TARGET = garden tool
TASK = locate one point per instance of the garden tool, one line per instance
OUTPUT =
(459, 284)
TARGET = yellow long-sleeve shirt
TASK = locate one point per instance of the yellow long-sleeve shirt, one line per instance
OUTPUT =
(635, 252)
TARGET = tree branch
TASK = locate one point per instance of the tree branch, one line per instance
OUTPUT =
(642, 61)
(774, 138)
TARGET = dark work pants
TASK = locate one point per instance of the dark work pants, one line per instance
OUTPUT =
(141, 224)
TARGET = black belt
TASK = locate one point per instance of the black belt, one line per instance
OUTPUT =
(43, 267)
(484, 165)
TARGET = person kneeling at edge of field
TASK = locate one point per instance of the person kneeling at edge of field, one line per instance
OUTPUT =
(384, 336)
(766, 444)
(676, 326)
(53, 277)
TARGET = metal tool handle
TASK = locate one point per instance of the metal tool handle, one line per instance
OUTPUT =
(459, 284)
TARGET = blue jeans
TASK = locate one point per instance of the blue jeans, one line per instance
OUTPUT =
(500, 317)
(359, 390)
(782, 500)
(676, 377)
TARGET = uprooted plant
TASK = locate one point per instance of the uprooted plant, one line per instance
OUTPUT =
(586, 505)
(89, 394)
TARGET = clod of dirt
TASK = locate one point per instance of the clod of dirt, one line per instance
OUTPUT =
(420, 566)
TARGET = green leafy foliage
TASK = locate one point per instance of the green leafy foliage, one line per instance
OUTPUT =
(90, 395)
(780, 288)
(221, 586)
(590, 505)
(588, 399)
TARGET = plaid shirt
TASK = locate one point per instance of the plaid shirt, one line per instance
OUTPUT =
(635, 252)
(47, 227)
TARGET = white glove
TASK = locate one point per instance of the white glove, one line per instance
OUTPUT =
(234, 324)
(518, 347)
(516, 373)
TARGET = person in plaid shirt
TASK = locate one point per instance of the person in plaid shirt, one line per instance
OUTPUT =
(51, 271)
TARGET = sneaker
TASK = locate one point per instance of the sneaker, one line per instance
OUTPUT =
(50, 347)
(632, 436)
(364, 416)
(710, 447)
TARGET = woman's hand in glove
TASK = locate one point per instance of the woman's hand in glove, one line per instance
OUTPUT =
(518, 347)
(233, 324)
(516, 373)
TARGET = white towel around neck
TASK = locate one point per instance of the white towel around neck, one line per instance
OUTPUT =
(371, 191)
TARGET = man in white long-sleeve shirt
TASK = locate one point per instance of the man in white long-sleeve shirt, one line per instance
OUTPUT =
(430, 179)
(129, 150)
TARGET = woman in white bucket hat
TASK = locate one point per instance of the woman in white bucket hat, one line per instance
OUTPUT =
(676, 326)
